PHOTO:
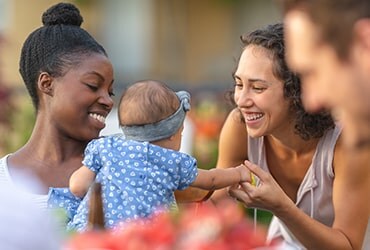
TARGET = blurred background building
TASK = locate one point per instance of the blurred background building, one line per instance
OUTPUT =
(183, 42)
(189, 44)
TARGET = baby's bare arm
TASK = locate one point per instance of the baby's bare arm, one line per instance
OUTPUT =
(217, 178)
(81, 180)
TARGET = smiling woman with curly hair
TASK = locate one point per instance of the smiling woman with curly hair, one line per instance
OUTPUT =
(295, 157)
(306, 125)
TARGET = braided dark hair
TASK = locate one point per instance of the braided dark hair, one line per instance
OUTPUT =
(272, 38)
(55, 47)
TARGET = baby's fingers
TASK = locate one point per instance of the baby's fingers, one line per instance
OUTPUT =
(245, 173)
(257, 171)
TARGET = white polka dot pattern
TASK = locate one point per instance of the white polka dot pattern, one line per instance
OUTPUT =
(137, 178)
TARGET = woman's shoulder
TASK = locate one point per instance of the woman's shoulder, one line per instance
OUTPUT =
(112, 137)
(107, 139)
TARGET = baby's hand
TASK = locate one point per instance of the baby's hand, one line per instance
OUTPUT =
(245, 174)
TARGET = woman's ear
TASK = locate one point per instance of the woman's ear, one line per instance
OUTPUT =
(45, 83)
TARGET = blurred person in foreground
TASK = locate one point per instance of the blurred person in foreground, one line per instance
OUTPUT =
(328, 44)
(24, 225)
(332, 55)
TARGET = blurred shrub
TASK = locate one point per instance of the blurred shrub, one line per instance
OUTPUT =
(5, 113)
(17, 118)
(208, 116)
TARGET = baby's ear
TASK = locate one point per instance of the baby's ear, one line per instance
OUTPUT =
(45, 83)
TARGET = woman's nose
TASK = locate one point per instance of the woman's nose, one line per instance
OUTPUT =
(107, 101)
(244, 99)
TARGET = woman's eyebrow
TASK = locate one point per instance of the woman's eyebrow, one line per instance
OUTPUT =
(252, 80)
(259, 80)
(236, 77)
(95, 73)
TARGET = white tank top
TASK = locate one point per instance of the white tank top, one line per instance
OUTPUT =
(314, 195)
(39, 199)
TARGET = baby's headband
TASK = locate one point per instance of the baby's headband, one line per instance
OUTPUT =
(162, 129)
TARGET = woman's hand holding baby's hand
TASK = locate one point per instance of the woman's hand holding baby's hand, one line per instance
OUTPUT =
(267, 195)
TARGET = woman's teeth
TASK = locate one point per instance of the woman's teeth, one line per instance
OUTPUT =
(98, 117)
(253, 117)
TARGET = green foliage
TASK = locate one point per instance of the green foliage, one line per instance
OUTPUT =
(19, 122)
(263, 217)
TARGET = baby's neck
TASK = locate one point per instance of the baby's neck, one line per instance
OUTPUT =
(164, 143)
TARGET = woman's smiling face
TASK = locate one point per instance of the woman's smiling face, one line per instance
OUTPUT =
(81, 98)
(259, 93)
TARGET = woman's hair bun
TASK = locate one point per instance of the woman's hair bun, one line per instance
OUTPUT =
(62, 13)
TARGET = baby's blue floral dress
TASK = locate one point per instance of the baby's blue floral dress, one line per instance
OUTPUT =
(62, 199)
(138, 178)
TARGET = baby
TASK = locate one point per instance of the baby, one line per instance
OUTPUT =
(140, 170)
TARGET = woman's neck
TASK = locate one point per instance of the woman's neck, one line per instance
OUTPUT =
(49, 147)
(48, 143)
(292, 146)
(49, 157)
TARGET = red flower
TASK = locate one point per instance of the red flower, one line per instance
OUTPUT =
(195, 227)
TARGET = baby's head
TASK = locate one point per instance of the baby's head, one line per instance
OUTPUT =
(151, 111)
